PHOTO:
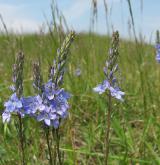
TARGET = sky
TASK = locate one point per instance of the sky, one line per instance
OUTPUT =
(23, 16)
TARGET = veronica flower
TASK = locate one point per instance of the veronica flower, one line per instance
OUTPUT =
(78, 72)
(158, 52)
(110, 83)
(6, 116)
(55, 103)
(115, 92)
(101, 88)
(31, 104)
(55, 98)
(14, 103)
(51, 103)
(50, 107)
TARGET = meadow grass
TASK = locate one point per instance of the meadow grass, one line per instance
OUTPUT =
(135, 130)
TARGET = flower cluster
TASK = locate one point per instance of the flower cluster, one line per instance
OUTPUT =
(111, 83)
(14, 104)
(158, 52)
(51, 102)
(51, 106)
(157, 46)
(55, 105)
(114, 91)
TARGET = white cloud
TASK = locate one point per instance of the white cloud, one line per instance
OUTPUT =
(77, 9)
(17, 20)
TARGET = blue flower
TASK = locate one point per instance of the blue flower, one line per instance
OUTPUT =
(56, 106)
(101, 88)
(55, 109)
(111, 67)
(12, 88)
(6, 116)
(14, 104)
(78, 72)
(31, 104)
(115, 91)
(50, 91)
(158, 58)
(158, 53)
(51, 106)
(49, 117)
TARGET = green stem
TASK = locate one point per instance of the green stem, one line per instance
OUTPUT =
(108, 120)
(57, 144)
(21, 137)
(49, 147)
(57, 153)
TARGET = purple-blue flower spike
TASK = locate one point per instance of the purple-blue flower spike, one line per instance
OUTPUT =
(158, 48)
(14, 104)
(35, 105)
(51, 103)
(37, 77)
(111, 83)
(54, 97)
(58, 68)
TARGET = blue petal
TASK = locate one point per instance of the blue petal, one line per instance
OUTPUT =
(51, 97)
(47, 122)
(18, 104)
(106, 84)
(99, 89)
(158, 58)
(77, 72)
(8, 103)
(60, 112)
(55, 123)
(39, 99)
(6, 117)
(41, 107)
(65, 94)
(14, 97)
(157, 46)
(64, 115)
(53, 116)
(12, 87)
(117, 93)
(9, 106)
(41, 117)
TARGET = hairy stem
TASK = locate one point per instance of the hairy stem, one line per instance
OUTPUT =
(57, 144)
(108, 122)
(57, 153)
(49, 147)
(55, 150)
(21, 138)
